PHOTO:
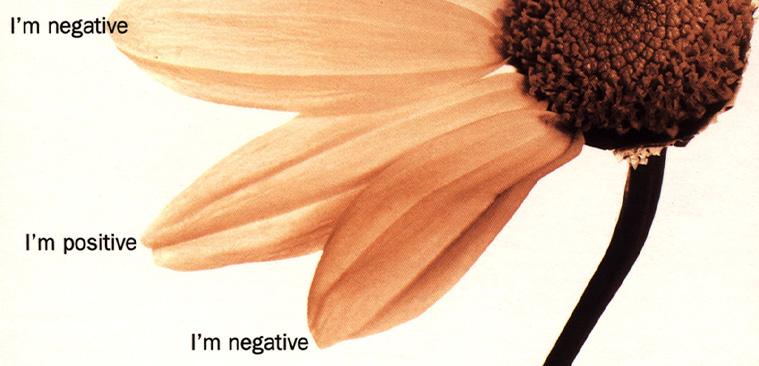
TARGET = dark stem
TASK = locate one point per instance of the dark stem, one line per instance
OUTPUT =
(638, 210)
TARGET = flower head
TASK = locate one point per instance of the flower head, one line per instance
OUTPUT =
(631, 73)
(406, 159)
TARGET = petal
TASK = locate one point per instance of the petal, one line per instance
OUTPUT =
(416, 229)
(280, 194)
(316, 94)
(301, 231)
(488, 9)
(305, 55)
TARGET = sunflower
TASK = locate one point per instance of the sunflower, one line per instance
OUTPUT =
(422, 126)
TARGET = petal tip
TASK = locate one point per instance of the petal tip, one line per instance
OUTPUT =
(323, 337)
(322, 341)
(171, 260)
(162, 260)
(148, 238)
(325, 331)
(151, 238)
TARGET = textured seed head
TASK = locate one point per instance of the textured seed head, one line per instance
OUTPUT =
(631, 73)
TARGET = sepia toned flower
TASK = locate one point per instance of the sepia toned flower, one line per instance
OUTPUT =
(409, 153)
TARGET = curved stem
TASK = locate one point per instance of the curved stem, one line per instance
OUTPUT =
(638, 210)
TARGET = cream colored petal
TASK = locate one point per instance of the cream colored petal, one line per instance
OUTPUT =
(422, 222)
(488, 9)
(262, 53)
(315, 94)
(302, 175)
(300, 231)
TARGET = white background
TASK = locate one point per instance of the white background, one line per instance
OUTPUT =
(89, 144)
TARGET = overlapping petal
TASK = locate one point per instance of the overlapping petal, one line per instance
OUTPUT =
(280, 195)
(487, 8)
(305, 55)
(419, 225)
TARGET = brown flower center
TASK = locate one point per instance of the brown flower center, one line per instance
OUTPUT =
(630, 73)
